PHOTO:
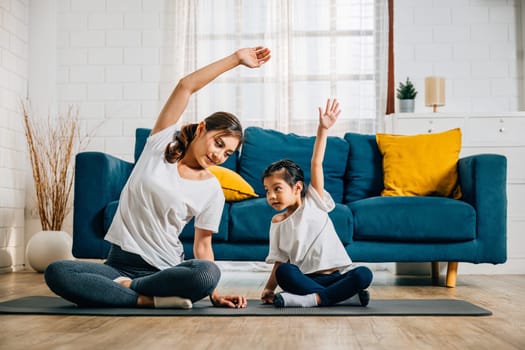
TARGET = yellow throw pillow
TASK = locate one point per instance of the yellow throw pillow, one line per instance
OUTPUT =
(235, 188)
(421, 165)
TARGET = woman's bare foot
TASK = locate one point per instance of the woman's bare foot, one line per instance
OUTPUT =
(123, 281)
(142, 300)
(145, 301)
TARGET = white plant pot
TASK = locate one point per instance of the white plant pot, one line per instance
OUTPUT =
(406, 106)
(46, 247)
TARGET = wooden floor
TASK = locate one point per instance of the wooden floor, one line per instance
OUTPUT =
(503, 295)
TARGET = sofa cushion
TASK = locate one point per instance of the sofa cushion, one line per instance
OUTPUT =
(364, 169)
(235, 188)
(413, 219)
(250, 221)
(421, 165)
(264, 146)
(187, 232)
(109, 213)
(142, 134)
(343, 221)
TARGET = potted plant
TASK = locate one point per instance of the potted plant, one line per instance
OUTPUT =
(406, 93)
(52, 145)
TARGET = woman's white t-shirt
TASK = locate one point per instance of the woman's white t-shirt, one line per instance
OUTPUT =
(307, 238)
(156, 203)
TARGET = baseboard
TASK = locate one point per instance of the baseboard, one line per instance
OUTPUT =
(514, 266)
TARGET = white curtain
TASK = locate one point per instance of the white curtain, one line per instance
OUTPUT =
(320, 49)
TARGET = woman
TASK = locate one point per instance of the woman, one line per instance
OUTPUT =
(169, 185)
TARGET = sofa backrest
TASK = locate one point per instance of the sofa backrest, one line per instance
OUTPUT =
(364, 169)
(141, 135)
(264, 146)
(352, 166)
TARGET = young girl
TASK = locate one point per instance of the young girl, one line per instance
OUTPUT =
(169, 185)
(310, 263)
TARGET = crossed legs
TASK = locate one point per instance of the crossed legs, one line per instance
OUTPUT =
(329, 289)
(92, 284)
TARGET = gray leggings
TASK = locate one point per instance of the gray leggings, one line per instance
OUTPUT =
(91, 284)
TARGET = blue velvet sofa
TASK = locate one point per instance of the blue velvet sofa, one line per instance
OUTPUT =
(372, 228)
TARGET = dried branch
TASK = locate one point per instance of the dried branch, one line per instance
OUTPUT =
(52, 146)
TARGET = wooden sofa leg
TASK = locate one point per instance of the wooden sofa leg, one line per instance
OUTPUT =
(435, 273)
(452, 272)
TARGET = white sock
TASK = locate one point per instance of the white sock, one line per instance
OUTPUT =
(172, 303)
(295, 300)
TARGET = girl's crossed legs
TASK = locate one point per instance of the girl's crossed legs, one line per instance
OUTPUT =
(331, 288)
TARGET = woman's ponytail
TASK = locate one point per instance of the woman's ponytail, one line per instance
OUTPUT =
(176, 149)
(220, 121)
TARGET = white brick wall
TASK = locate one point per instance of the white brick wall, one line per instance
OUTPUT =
(473, 44)
(109, 64)
(13, 163)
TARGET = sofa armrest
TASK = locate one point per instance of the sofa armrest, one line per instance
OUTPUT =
(99, 179)
(483, 181)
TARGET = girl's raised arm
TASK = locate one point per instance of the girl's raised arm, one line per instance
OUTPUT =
(178, 100)
(326, 120)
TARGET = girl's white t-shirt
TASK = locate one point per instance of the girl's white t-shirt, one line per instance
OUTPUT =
(307, 238)
(156, 203)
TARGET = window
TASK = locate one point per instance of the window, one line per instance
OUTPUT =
(320, 49)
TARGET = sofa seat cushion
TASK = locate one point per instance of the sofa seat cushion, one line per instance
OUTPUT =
(250, 221)
(188, 231)
(263, 147)
(413, 219)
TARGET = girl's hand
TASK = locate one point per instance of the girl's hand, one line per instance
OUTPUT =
(231, 301)
(267, 296)
(330, 115)
(254, 57)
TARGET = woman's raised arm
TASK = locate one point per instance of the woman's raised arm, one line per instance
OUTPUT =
(178, 100)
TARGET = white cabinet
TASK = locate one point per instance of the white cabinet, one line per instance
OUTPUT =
(500, 133)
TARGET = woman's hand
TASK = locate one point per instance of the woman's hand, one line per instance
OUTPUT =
(231, 301)
(330, 115)
(253, 57)
(267, 296)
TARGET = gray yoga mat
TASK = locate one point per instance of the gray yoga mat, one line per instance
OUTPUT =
(44, 305)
